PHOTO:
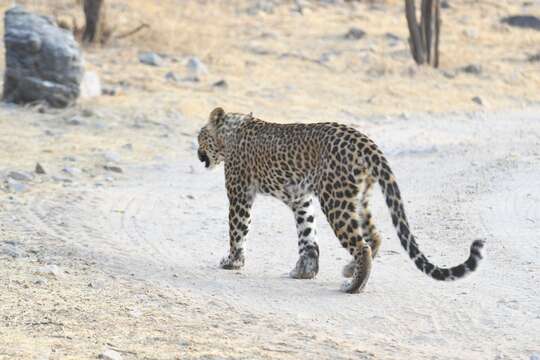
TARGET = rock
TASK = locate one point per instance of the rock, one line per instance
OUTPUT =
(20, 176)
(90, 85)
(445, 4)
(15, 186)
(110, 156)
(522, 21)
(220, 84)
(70, 158)
(110, 355)
(13, 251)
(355, 34)
(115, 169)
(61, 179)
(108, 90)
(392, 37)
(472, 69)
(535, 356)
(43, 61)
(195, 68)
(127, 146)
(39, 169)
(478, 100)
(87, 112)
(534, 58)
(51, 270)
(172, 76)
(261, 6)
(449, 74)
(41, 281)
(75, 121)
(73, 171)
(150, 58)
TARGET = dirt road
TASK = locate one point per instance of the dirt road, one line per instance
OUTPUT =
(152, 241)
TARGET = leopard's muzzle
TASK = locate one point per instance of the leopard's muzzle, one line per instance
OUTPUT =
(203, 158)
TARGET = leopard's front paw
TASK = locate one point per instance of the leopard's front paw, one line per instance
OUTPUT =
(232, 263)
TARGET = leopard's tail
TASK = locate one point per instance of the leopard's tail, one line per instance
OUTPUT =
(381, 171)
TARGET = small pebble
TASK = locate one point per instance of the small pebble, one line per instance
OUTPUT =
(73, 171)
(355, 34)
(150, 58)
(20, 176)
(75, 121)
(196, 68)
(110, 355)
(39, 169)
(53, 270)
(115, 169)
(478, 100)
(220, 84)
(172, 76)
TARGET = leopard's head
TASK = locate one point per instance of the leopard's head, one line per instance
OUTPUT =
(210, 150)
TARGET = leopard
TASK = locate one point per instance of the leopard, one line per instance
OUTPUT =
(299, 163)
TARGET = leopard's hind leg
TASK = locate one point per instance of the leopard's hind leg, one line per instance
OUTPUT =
(338, 202)
(369, 232)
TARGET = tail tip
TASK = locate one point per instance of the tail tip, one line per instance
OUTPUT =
(477, 246)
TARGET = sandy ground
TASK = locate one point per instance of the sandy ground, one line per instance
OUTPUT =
(138, 260)
(93, 259)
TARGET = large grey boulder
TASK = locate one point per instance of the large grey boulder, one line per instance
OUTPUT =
(43, 61)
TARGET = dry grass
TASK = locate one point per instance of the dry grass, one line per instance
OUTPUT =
(369, 76)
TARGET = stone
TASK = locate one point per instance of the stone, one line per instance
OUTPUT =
(392, 37)
(150, 58)
(15, 186)
(220, 84)
(40, 281)
(472, 69)
(39, 169)
(52, 270)
(13, 251)
(534, 58)
(115, 169)
(73, 171)
(355, 34)
(535, 356)
(90, 85)
(445, 4)
(61, 179)
(108, 90)
(20, 176)
(478, 100)
(259, 6)
(110, 156)
(75, 121)
(196, 68)
(522, 21)
(110, 355)
(172, 76)
(43, 61)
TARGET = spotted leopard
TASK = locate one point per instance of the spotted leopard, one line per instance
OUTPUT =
(298, 162)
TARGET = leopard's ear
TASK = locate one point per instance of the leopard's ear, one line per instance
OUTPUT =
(217, 117)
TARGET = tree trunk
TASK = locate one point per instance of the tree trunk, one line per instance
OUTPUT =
(424, 37)
(95, 28)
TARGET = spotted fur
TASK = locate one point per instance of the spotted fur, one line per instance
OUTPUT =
(297, 162)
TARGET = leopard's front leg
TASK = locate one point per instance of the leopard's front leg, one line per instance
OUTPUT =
(240, 203)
